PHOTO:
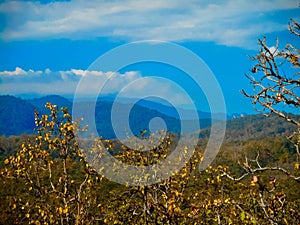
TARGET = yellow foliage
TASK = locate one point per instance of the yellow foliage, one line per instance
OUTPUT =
(252, 183)
(6, 161)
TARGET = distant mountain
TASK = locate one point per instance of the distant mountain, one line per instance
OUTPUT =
(184, 114)
(16, 116)
(255, 127)
(259, 126)
(168, 109)
(139, 118)
(39, 103)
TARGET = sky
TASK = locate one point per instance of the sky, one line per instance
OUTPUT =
(48, 47)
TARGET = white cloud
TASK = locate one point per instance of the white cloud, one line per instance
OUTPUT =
(272, 49)
(21, 82)
(17, 71)
(225, 22)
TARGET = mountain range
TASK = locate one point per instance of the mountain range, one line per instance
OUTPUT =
(17, 117)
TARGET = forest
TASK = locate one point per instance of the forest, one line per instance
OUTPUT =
(46, 177)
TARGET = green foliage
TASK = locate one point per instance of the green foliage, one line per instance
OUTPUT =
(48, 181)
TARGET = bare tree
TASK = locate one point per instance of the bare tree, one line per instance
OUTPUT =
(276, 82)
(275, 78)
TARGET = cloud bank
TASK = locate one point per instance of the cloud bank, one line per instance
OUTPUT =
(230, 22)
(22, 82)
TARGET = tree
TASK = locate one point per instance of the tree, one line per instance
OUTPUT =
(56, 181)
(274, 89)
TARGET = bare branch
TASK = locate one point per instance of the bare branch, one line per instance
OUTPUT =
(294, 27)
(251, 171)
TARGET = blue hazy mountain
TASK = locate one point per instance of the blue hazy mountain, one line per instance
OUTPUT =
(17, 115)
(167, 109)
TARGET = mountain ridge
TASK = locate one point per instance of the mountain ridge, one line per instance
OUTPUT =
(17, 117)
(140, 116)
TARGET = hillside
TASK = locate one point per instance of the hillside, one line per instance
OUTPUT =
(16, 117)
(39, 103)
(256, 126)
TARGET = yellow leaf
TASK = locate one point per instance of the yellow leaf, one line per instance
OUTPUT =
(294, 59)
(177, 209)
(6, 161)
(65, 211)
(252, 183)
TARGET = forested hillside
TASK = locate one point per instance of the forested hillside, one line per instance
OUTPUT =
(20, 119)
(190, 195)
(16, 116)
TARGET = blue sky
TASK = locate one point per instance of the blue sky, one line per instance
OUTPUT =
(47, 47)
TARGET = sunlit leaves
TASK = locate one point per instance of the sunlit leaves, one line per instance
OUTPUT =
(59, 186)
(46, 165)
